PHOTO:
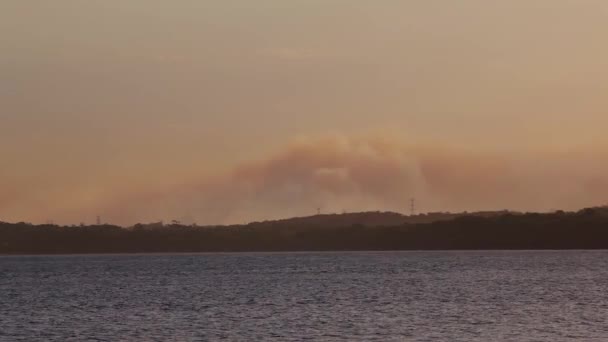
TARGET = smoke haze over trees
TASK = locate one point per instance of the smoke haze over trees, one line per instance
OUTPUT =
(337, 174)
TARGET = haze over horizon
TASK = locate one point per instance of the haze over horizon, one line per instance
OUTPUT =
(232, 111)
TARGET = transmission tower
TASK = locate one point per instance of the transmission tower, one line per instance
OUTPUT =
(412, 207)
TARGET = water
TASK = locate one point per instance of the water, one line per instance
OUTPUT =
(409, 296)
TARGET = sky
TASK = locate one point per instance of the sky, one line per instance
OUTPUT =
(225, 111)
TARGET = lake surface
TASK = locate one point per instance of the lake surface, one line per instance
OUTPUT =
(392, 296)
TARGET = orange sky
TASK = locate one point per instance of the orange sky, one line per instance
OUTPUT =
(110, 101)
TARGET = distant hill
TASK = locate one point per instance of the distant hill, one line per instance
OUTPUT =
(373, 218)
(369, 219)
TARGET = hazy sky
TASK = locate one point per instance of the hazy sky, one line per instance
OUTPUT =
(105, 103)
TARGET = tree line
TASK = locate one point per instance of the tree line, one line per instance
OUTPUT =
(586, 229)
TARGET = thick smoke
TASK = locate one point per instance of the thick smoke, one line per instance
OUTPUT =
(354, 174)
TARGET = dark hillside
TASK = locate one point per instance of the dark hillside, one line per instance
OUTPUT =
(586, 229)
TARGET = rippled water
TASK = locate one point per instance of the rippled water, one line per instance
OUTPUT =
(409, 296)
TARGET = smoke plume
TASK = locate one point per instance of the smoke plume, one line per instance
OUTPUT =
(337, 174)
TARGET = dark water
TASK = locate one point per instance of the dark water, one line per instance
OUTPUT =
(415, 296)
